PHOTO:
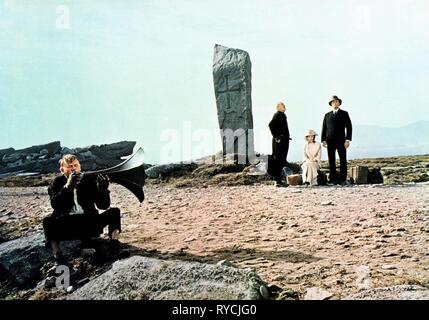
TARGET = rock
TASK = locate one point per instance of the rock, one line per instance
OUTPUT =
(44, 158)
(51, 148)
(170, 170)
(7, 151)
(401, 292)
(289, 295)
(233, 92)
(49, 282)
(147, 278)
(391, 254)
(279, 277)
(257, 170)
(109, 155)
(296, 191)
(363, 280)
(66, 150)
(326, 203)
(226, 263)
(22, 258)
(13, 157)
(315, 293)
(388, 267)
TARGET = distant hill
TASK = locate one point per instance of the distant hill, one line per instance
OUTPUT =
(375, 141)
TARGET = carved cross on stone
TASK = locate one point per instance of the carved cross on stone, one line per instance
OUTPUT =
(228, 91)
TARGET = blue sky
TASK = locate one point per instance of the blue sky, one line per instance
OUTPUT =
(129, 70)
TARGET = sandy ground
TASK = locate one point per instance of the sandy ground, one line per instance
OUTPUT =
(342, 239)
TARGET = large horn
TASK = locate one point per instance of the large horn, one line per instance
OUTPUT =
(130, 174)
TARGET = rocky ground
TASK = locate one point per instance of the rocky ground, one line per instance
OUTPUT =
(304, 242)
(339, 239)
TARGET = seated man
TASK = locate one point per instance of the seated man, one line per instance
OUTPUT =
(75, 215)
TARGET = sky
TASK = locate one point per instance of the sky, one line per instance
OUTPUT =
(94, 72)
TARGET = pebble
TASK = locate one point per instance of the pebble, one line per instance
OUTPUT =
(326, 203)
(391, 254)
(315, 293)
(388, 267)
(279, 277)
(289, 295)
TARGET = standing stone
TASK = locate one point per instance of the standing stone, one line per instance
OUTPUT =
(233, 89)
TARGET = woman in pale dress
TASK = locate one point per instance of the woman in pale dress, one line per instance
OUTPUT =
(312, 155)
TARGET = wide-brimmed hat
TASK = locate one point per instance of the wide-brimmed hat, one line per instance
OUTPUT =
(335, 98)
(311, 132)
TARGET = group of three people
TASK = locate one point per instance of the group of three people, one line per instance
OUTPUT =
(336, 137)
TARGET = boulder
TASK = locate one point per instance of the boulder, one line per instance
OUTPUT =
(233, 91)
(147, 278)
(21, 259)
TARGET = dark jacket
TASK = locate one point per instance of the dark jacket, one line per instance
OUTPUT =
(338, 127)
(88, 196)
(278, 126)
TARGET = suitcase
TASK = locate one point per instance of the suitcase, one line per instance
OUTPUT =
(294, 180)
(359, 174)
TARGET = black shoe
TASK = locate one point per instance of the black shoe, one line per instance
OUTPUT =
(279, 184)
(115, 251)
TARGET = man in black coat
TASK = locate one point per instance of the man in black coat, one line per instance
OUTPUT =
(75, 216)
(336, 136)
(280, 132)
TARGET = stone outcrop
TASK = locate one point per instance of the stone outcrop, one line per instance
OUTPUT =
(44, 158)
(147, 278)
(21, 259)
